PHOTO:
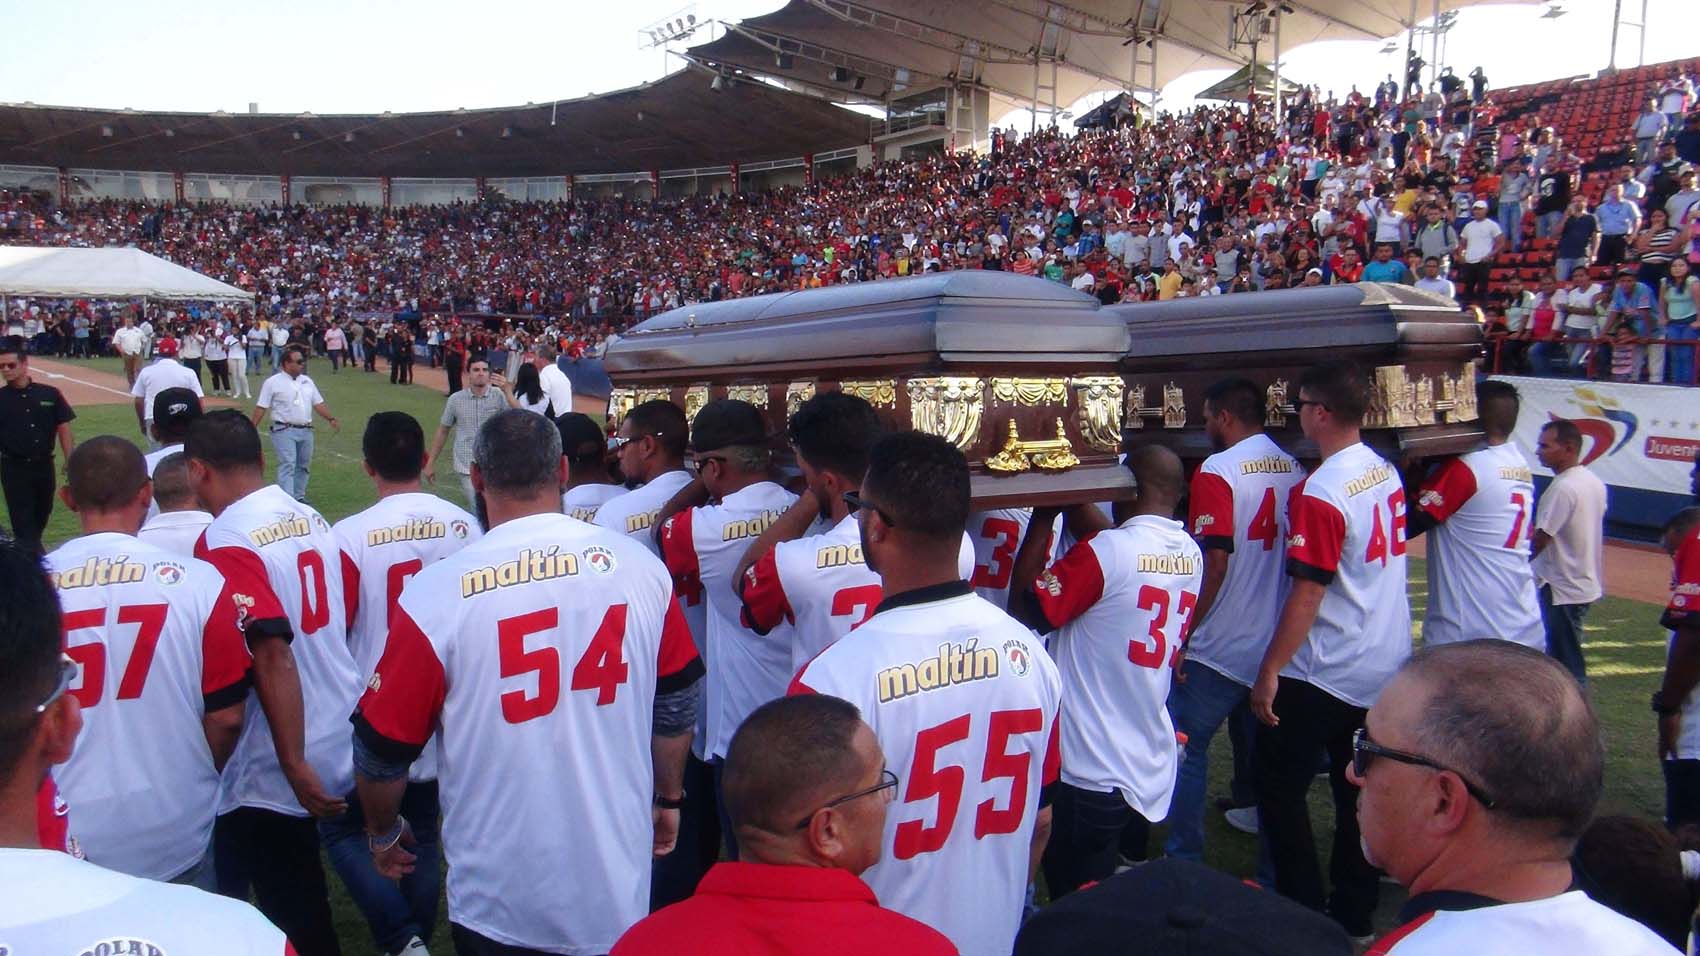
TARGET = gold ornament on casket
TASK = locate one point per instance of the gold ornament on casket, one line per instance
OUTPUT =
(1098, 410)
(877, 392)
(796, 394)
(949, 406)
(1031, 392)
(754, 394)
(1050, 454)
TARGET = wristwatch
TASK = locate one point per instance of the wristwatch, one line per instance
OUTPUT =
(1663, 709)
(675, 803)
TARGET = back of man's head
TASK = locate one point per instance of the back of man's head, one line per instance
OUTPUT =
(105, 473)
(1240, 398)
(518, 454)
(921, 481)
(1341, 387)
(833, 431)
(788, 757)
(394, 446)
(171, 489)
(29, 651)
(174, 410)
(665, 421)
(224, 440)
(583, 443)
(1497, 404)
(1159, 477)
(1517, 725)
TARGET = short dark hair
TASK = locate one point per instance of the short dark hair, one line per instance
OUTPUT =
(29, 648)
(664, 420)
(1634, 866)
(786, 753)
(1497, 403)
(224, 440)
(921, 480)
(13, 345)
(394, 445)
(1565, 432)
(1515, 723)
(1341, 386)
(296, 351)
(582, 441)
(518, 452)
(1240, 398)
(833, 431)
(171, 481)
(105, 472)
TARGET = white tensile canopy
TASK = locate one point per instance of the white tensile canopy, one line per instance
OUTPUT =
(108, 273)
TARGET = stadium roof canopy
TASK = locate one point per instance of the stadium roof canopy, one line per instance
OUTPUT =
(871, 49)
(675, 122)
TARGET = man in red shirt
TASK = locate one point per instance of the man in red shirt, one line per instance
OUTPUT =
(806, 789)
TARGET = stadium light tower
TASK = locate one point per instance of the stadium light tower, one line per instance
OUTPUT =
(682, 24)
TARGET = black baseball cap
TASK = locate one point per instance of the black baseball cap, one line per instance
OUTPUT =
(727, 422)
(580, 435)
(1174, 907)
(176, 407)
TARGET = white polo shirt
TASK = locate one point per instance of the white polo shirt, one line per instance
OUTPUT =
(290, 400)
(164, 373)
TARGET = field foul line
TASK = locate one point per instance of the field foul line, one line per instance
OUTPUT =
(72, 378)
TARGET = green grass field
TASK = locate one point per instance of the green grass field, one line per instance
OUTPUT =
(1624, 644)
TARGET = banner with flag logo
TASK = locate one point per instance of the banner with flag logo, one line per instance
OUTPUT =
(1633, 436)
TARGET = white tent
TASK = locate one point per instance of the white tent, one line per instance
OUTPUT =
(110, 273)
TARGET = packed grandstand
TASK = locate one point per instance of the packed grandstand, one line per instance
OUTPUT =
(1214, 200)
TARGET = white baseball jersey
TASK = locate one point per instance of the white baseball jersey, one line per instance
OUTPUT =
(59, 904)
(634, 512)
(702, 548)
(1566, 923)
(996, 536)
(820, 584)
(382, 548)
(539, 650)
(175, 531)
(164, 373)
(1122, 602)
(1348, 533)
(1480, 583)
(583, 501)
(963, 699)
(155, 635)
(281, 561)
(1238, 504)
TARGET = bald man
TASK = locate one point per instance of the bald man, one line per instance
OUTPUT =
(180, 519)
(1139, 579)
(806, 791)
(1479, 767)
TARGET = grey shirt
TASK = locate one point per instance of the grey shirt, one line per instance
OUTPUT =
(466, 413)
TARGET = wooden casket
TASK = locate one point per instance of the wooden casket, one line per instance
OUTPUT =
(1038, 384)
(1009, 368)
(1418, 349)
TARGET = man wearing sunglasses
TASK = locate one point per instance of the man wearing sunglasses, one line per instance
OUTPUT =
(807, 793)
(650, 451)
(704, 530)
(1479, 767)
(964, 700)
(55, 903)
(1344, 628)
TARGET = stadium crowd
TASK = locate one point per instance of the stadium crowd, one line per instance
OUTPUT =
(1214, 200)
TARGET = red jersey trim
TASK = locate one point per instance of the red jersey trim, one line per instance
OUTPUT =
(679, 552)
(1070, 587)
(1210, 517)
(677, 663)
(765, 604)
(350, 589)
(405, 695)
(1384, 945)
(258, 610)
(1445, 491)
(1318, 534)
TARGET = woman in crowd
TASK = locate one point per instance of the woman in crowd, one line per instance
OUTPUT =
(1656, 245)
(1678, 305)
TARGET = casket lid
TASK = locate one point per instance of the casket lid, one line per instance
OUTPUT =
(942, 318)
(1336, 317)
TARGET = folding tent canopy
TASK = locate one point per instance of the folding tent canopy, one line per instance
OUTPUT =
(109, 273)
(1239, 85)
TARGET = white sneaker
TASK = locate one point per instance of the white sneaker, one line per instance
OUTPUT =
(414, 947)
(1243, 819)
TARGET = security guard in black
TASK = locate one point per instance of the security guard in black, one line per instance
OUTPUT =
(32, 417)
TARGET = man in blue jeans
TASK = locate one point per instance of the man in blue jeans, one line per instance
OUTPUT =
(292, 398)
(1568, 541)
(1238, 515)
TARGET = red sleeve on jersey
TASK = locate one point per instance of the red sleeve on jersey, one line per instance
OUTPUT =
(1445, 491)
(405, 695)
(677, 664)
(52, 818)
(1318, 535)
(1683, 610)
(225, 660)
(1068, 588)
(289, 950)
(1210, 515)
(350, 588)
(765, 604)
(258, 610)
(1052, 770)
(679, 550)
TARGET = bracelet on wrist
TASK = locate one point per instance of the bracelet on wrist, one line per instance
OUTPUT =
(381, 842)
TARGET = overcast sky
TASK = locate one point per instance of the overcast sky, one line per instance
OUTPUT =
(342, 56)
